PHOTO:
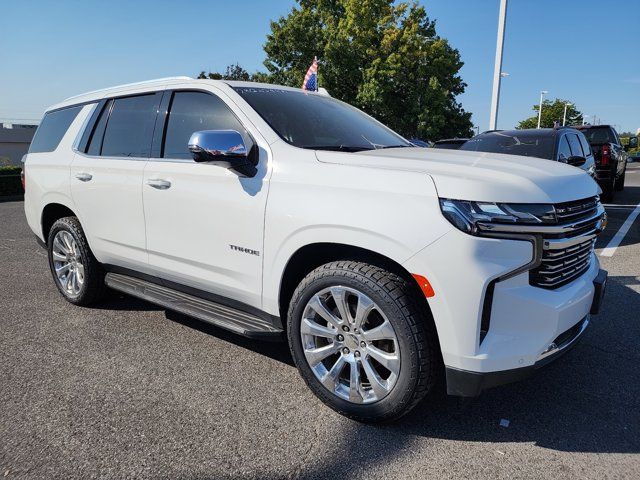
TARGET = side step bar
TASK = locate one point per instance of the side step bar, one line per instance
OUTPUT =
(219, 315)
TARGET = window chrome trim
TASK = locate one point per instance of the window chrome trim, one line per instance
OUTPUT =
(83, 127)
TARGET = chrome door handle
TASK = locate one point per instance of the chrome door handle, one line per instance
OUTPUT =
(159, 183)
(84, 177)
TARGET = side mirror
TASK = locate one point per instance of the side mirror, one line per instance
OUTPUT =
(224, 148)
(633, 142)
(576, 161)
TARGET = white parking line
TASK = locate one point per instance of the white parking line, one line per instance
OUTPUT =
(613, 244)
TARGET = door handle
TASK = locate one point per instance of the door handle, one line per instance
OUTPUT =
(159, 183)
(84, 177)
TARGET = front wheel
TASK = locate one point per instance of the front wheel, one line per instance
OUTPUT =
(362, 340)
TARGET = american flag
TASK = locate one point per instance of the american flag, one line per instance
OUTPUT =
(311, 78)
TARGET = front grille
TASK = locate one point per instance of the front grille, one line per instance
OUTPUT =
(567, 255)
(576, 210)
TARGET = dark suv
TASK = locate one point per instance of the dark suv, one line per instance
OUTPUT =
(610, 157)
(563, 144)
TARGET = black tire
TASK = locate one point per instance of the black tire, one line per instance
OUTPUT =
(619, 185)
(93, 287)
(399, 299)
(607, 191)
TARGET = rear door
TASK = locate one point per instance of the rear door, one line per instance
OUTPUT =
(106, 179)
(205, 224)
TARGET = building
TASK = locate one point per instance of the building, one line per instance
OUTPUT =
(14, 142)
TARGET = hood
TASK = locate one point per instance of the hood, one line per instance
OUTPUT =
(480, 176)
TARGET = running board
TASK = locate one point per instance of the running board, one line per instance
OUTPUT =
(219, 315)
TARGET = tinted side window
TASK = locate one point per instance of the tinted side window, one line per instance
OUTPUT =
(130, 127)
(586, 148)
(574, 144)
(194, 111)
(95, 142)
(564, 152)
(53, 127)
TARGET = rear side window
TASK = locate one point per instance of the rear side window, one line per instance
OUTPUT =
(574, 143)
(194, 111)
(129, 129)
(53, 127)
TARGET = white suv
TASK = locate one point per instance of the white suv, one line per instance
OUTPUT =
(270, 211)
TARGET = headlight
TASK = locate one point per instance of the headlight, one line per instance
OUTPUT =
(470, 216)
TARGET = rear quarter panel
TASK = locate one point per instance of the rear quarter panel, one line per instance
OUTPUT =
(47, 175)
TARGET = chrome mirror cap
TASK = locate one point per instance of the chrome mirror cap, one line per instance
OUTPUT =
(218, 146)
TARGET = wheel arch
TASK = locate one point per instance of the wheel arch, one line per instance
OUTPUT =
(50, 214)
(311, 256)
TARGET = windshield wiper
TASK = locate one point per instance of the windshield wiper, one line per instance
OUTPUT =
(337, 148)
(395, 146)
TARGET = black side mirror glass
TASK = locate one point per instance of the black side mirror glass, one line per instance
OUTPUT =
(576, 161)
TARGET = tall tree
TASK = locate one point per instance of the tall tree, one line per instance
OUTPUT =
(382, 56)
(553, 112)
(232, 72)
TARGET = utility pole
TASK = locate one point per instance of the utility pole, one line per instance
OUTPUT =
(542, 94)
(497, 68)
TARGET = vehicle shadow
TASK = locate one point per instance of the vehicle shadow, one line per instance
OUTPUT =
(587, 401)
(275, 350)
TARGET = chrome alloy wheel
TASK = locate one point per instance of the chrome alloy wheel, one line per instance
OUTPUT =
(350, 345)
(67, 263)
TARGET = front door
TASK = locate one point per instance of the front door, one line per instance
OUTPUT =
(204, 223)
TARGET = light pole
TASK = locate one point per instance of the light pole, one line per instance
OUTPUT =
(497, 68)
(564, 117)
(542, 94)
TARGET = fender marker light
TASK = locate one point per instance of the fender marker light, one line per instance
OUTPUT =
(424, 285)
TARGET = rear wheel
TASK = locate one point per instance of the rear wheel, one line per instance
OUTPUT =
(76, 272)
(362, 341)
(619, 186)
(607, 191)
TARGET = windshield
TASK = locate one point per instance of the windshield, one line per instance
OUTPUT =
(513, 143)
(319, 122)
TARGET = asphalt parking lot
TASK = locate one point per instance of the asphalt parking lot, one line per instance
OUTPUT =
(131, 390)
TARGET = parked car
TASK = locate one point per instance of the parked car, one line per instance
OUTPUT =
(610, 157)
(566, 145)
(276, 213)
(450, 143)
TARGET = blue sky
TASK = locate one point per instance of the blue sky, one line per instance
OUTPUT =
(582, 50)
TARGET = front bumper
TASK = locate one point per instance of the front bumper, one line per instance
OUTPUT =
(465, 383)
(494, 325)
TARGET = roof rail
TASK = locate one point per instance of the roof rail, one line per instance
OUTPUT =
(134, 84)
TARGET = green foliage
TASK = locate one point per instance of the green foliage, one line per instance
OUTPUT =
(552, 112)
(10, 170)
(232, 72)
(381, 56)
(10, 183)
